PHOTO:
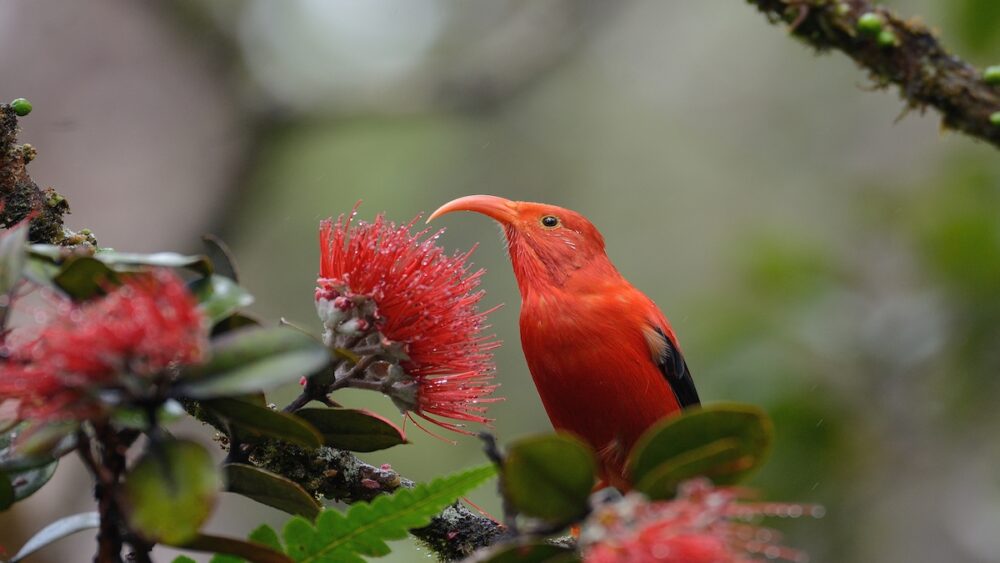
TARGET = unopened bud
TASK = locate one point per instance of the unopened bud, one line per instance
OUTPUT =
(352, 327)
(870, 23)
(886, 38)
(21, 107)
(329, 314)
(992, 74)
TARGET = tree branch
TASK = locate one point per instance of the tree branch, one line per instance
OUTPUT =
(22, 198)
(906, 53)
(339, 475)
(334, 474)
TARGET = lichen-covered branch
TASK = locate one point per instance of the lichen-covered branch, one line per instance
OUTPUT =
(897, 51)
(20, 195)
(339, 475)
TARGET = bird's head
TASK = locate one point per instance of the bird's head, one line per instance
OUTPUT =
(547, 244)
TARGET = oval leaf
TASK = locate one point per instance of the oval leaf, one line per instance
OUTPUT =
(221, 257)
(249, 550)
(84, 277)
(353, 429)
(253, 359)
(549, 477)
(530, 552)
(220, 296)
(6, 492)
(56, 531)
(27, 482)
(270, 489)
(711, 460)
(724, 442)
(12, 255)
(261, 421)
(171, 491)
(32, 445)
(129, 260)
(233, 322)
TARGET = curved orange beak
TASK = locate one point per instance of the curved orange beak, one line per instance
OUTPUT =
(504, 211)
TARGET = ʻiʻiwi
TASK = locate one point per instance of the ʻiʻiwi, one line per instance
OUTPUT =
(603, 356)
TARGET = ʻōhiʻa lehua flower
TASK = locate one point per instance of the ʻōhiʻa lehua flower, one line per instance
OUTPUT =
(82, 355)
(381, 283)
(702, 525)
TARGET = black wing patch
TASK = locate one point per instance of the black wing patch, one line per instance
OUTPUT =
(675, 370)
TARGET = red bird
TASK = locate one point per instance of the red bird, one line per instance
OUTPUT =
(603, 357)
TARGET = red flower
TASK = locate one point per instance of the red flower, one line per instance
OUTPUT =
(149, 323)
(424, 299)
(702, 525)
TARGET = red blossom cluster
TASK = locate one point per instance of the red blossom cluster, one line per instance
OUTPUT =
(140, 328)
(702, 525)
(424, 299)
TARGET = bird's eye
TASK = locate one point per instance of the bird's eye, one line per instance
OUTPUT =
(550, 221)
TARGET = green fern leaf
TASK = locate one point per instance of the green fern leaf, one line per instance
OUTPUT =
(364, 529)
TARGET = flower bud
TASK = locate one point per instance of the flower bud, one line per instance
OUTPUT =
(21, 107)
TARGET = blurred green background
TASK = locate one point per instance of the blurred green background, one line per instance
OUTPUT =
(815, 256)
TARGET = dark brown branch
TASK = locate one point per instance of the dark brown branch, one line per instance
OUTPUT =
(105, 458)
(341, 476)
(902, 52)
(21, 197)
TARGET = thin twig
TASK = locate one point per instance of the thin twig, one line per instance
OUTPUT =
(492, 451)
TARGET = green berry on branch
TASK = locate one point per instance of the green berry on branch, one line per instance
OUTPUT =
(886, 38)
(21, 106)
(870, 23)
(992, 74)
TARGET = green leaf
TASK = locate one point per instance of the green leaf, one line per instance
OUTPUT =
(537, 551)
(365, 528)
(266, 535)
(38, 439)
(171, 491)
(249, 550)
(258, 420)
(221, 257)
(31, 445)
(252, 359)
(40, 271)
(183, 559)
(353, 429)
(130, 261)
(549, 477)
(270, 489)
(7, 495)
(26, 483)
(137, 418)
(12, 255)
(233, 322)
(724, 442)
(711, 460)
(220, 296)
(56, 531)
(84, 277)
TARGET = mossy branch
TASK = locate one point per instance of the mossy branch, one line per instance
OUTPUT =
(897, 51)
(339, 475)
(20, 196)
